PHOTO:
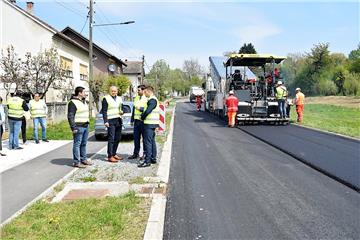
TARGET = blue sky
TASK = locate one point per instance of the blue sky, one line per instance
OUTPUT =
(179, 30)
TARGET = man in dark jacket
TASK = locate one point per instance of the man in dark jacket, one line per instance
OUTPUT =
(111, 111)
(78, 117)
(151, 121)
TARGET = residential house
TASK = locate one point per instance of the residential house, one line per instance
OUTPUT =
(27, 33)
(134, 71)
(104, 62)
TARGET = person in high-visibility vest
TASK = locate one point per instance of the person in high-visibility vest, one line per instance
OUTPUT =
(140, 102)
(78, 117)
(112, 111)
(299, 102)
(281, 94)
(232, 108)
(38, 111)
(151, 118)
(2, 125)
(16, 110)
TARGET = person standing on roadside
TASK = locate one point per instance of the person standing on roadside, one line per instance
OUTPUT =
(111, 111)
(151, 117)
(299, 102)
(16, 110)
(232, 108)
(78, 117)
(38, 111)
(140, 102)
(281, 94)
(2, 125)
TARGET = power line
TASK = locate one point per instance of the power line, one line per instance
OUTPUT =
(129, 50)
(87, 17)
(69, 9)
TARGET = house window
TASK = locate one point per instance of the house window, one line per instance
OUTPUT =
(83, 72)
(66, 66)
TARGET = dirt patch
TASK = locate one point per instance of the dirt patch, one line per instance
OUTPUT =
(343, 101)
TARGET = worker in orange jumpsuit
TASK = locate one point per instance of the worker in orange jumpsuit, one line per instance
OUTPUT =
(299, 103)
(198, 102)
(232, 108)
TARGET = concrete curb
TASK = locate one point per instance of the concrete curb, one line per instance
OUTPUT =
(325, 132)
(44, 194)
(155, 225)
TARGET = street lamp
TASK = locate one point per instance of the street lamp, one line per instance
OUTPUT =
(91, 26)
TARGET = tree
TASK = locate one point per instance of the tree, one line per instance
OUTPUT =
(96, 88)
(248, 49)
(192, 68)
(158, 77)
(42, 71)
(354, 60)
(11, 65)
(121, 82)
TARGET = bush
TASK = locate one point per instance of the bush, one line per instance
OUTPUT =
(352, 84)
(122, 82)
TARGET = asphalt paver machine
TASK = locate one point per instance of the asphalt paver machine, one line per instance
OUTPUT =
(256, 94)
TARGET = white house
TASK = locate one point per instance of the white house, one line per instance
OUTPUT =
(134, 71)
(27, 33)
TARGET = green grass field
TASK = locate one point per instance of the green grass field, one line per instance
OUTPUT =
(337, 119)
(108, 218)
(58, 131)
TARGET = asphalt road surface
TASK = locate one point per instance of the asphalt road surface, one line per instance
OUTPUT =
(23, 183)
(338, 157)
(226, 184)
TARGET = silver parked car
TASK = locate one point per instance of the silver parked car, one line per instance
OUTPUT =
(127, 128)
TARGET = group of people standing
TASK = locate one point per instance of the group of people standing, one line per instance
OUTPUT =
(145, 119)
(17, 109)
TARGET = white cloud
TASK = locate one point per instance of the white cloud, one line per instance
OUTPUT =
(256, 33)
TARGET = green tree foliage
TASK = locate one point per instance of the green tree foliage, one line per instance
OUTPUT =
(320, 72)
(247, 48)
(354, 60)
(121, 81)
(167, 81)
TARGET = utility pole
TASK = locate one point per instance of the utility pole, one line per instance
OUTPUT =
(91, 63)
(142, 70)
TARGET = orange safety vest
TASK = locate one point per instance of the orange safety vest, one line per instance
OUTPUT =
(232, 103)
(299, 99)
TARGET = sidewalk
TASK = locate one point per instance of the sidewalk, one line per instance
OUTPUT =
(23, 183)
(31, 150)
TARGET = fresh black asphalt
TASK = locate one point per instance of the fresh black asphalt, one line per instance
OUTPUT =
(23, 183)
(336, 156)
(226, 184)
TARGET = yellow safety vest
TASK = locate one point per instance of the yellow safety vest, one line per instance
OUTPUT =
(154, 116)
(114, 107)
(139, 102)
(82, 111)
(281, 92)
(15, 107)
(37, 108)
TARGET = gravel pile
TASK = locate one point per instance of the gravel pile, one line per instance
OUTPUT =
(125, 170)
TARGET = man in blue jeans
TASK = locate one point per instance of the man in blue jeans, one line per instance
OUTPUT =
(140, 103)
(38, 110)
(78, 117)
(16, 107)
(151, 117)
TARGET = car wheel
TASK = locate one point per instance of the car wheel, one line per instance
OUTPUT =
(98, 137)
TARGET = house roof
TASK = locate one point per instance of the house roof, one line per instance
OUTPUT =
(133, 67)
(117, 60)
(45, 25)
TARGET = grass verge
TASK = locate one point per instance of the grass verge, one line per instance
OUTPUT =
(337, 119)
(108, 218)
(57, 131)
